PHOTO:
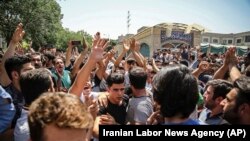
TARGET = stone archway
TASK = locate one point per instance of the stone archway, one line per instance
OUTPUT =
(144, 50)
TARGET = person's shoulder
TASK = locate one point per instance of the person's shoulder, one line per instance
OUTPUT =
(3, 93)
(66, 71)
(125, 97)
(8, 86)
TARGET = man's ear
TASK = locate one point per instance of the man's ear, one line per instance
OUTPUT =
(15, 75)
(244, 108)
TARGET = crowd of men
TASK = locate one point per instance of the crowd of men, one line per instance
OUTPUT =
(49, 95)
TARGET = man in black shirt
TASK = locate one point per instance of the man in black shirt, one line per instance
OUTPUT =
(115, 111)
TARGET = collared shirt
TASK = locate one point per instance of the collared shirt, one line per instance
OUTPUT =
(213, 120)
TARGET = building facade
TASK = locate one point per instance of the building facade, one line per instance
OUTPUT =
(238, 39)
(165, 35)
(173, 35)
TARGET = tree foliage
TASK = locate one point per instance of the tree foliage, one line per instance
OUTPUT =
(41, 20)
(65, 35)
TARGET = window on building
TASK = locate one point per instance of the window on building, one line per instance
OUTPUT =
(230, 41)
(238, 41)
(205, 40)
(224, 42)
(215, 40)
(247, 39)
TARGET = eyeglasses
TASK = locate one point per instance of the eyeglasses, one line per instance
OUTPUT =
(116, 90)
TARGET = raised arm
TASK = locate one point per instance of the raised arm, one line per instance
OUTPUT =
(68, 54)
(155, 68)
(134, 47)
(96, 55)
(124, 51)
(79, 59)
(220, 73)
(233, 70)
(16, 38)
(203, 66)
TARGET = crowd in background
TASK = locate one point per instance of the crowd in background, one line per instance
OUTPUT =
(55, 95)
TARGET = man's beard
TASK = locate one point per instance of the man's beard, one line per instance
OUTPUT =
(232, 116)
(37, 66)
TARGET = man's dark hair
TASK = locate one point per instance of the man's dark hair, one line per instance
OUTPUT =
(176, 91)
(131, 60)
(242, 86)
(247, 71)
(138, 77)
(115, 78)
(221, 87)
(184, 62)
(15, 63)
(33, 83)
(49, 56)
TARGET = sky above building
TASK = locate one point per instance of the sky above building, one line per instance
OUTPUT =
(110, 16)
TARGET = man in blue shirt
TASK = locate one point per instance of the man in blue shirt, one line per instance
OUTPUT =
(7, 110)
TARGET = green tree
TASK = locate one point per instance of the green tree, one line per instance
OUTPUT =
(65, 35)
(41, 19)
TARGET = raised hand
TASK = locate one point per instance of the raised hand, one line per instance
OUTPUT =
(111, 54)
(227, 58)
(84, 44)
(132, 44)
(96, 38)
(126, 45)
(18, 34)
(98, 48)
(137, 46)
(70, 44)
(203, 66)
(233, 59)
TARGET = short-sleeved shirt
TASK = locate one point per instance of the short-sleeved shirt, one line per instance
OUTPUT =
(139, 109)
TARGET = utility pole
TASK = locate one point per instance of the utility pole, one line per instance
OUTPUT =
(128, 22)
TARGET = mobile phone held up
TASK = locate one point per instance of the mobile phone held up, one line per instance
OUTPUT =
(76, 43)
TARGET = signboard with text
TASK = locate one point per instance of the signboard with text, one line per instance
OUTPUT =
(176, 35)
